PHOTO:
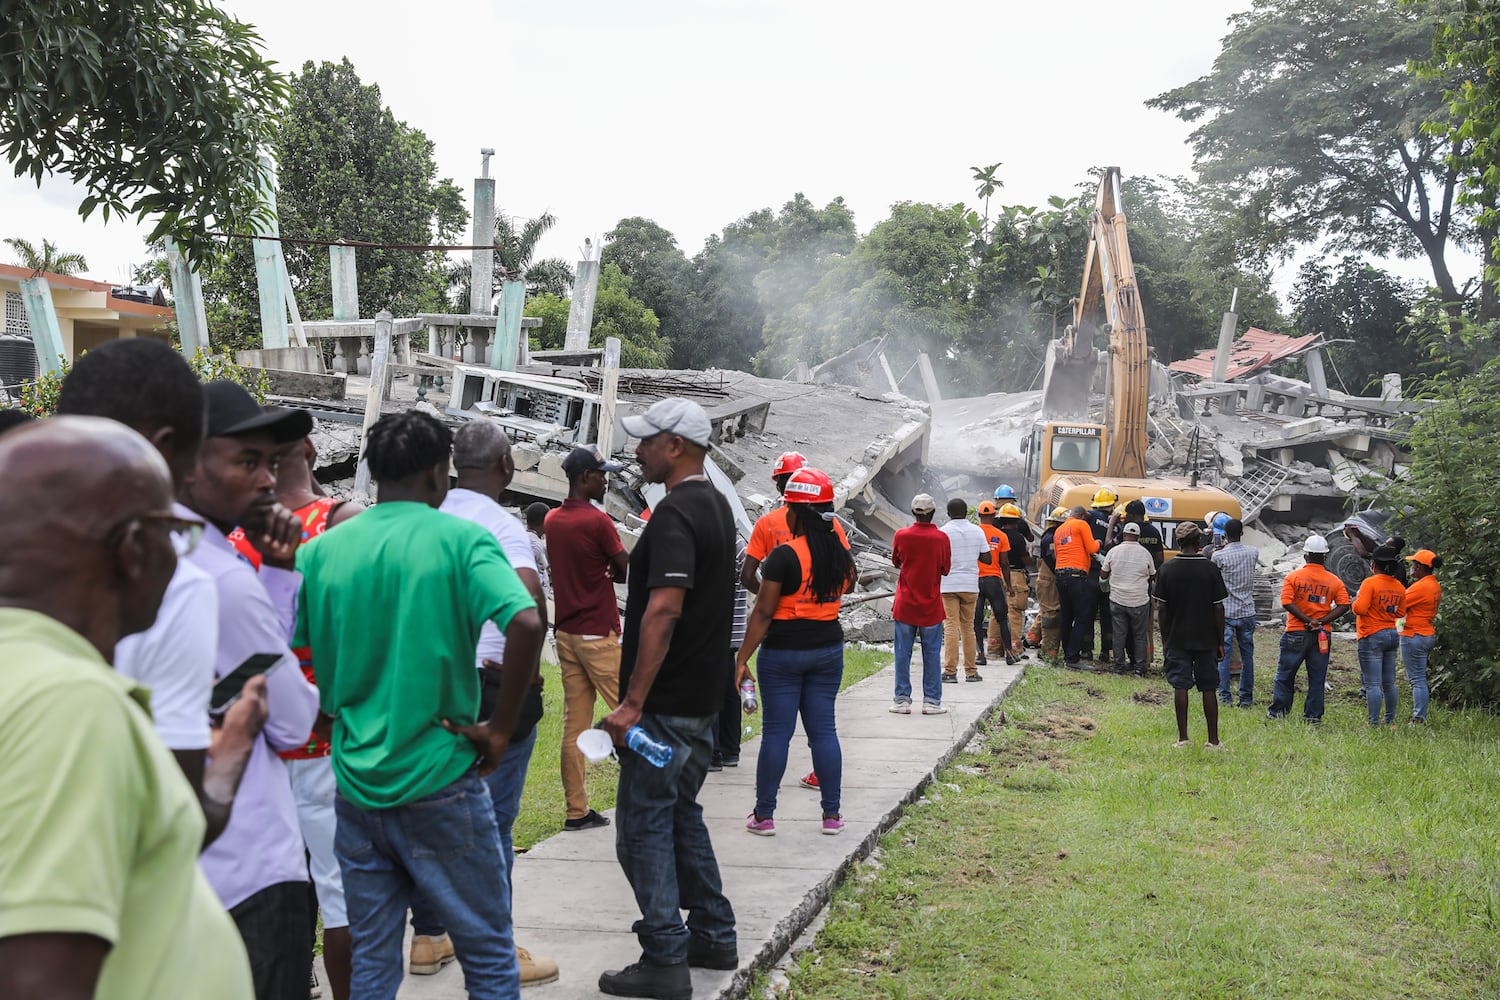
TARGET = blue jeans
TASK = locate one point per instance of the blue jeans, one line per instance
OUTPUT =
(931, 637)
(506, 783)
(1243, 630)
(663, 846)
(448, 844)
(1414, 652)
(1377, 672)
(1298, 648)
(794, 681)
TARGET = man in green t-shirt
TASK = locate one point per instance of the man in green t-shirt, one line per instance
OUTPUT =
(100, 891)
(392, 605)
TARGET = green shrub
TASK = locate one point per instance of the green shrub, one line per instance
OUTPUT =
(1449, 496)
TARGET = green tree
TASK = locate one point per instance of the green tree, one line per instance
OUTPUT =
(550, 276)
(48, 258)
(1450, 478)
(1466, 55)
(617, 313)
(1308, 127)
(910, 281)
(158, 109)
(1372, 311)
(659, 272)
(348, 170)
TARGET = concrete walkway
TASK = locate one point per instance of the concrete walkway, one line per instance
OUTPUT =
(573, 904)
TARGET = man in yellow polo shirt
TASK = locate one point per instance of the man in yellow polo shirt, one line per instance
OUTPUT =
(100, 892)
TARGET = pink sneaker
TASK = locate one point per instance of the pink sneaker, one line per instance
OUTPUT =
(762, 827)
(833, 825)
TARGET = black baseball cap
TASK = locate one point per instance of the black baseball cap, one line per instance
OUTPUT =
(232, 411)
(587, 458)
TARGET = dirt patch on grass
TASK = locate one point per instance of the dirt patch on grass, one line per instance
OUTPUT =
(1026, 750)
(1150, 696)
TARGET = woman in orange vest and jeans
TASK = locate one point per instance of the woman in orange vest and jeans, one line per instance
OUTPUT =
(795, 625)
(1418, 635)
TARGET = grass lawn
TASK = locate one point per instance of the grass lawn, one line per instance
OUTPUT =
(542, 809)
(1073, 852)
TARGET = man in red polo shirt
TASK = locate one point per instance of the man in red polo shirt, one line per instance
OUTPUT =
(922, 553)
(586, 560)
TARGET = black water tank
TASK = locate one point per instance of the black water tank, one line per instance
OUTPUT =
(17, 360)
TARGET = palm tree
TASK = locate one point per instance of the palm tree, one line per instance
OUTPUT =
(49, 260)
(988, 185)
(514, 247)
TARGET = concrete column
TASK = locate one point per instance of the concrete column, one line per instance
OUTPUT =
(1315, 374)
(890, 376)
(46, 334)
(581, 306)
(506, 346)
(267, 269)
(611, 388)
(929, 380)
(483, 269)
(374, 398)
(1226, 338)
(187, 299)
(345, 284)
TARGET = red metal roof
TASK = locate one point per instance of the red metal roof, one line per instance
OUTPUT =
(87, 285)
(1254, 350)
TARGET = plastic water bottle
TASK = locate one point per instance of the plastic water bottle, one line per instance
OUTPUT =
(657, 754)
(1323, 641)
(747, 695)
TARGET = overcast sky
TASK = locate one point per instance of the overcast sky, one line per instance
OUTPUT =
(696, 112)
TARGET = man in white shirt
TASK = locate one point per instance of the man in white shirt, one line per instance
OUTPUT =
(147, 386)
(960, 589)
(1130, 569)
(482, 458)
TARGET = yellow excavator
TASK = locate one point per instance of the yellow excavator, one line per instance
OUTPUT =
(1069, 456)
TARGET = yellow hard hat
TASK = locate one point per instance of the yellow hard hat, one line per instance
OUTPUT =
(1106, 497)
(1058, 515)
(1010, 510)
(1119, 510)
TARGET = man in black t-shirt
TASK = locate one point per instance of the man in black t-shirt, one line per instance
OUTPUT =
(679, 609)
(1190, 597)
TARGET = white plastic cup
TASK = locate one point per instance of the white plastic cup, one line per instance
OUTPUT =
(595, 744)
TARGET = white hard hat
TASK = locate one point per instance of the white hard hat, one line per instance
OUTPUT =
(1315, 544)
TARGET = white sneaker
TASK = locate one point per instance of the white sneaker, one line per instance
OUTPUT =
(1213, 746)
(1183, 743)
(928, 709)
(901, 708)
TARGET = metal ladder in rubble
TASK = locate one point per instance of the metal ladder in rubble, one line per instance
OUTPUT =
(1256, 487)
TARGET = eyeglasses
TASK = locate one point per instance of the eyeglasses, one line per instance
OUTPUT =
(184, 532)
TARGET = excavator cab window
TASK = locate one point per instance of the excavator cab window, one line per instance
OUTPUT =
(1075, 454)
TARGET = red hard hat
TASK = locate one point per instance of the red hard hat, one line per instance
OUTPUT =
(809, 485)
(789, 462)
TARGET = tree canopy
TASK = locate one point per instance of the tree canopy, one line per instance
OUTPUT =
(157, 109)
(1310, 126)
(348, 169)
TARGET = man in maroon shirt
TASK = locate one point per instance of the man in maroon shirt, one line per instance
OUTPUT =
(922, 554)
(587, 560)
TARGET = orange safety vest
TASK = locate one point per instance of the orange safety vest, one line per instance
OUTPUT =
(803, 606)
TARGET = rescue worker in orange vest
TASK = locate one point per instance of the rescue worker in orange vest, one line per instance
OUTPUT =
(994, 585)
(795, 625)
(1075, 550)
(774, 528)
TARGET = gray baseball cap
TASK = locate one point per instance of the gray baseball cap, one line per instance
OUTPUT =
(674, 415)
(923, 503)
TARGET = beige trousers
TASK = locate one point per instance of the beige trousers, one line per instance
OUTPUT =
(958, 611)
(590, 670)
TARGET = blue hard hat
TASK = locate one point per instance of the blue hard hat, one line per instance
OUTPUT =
(1004, 492)
(1220, 522)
